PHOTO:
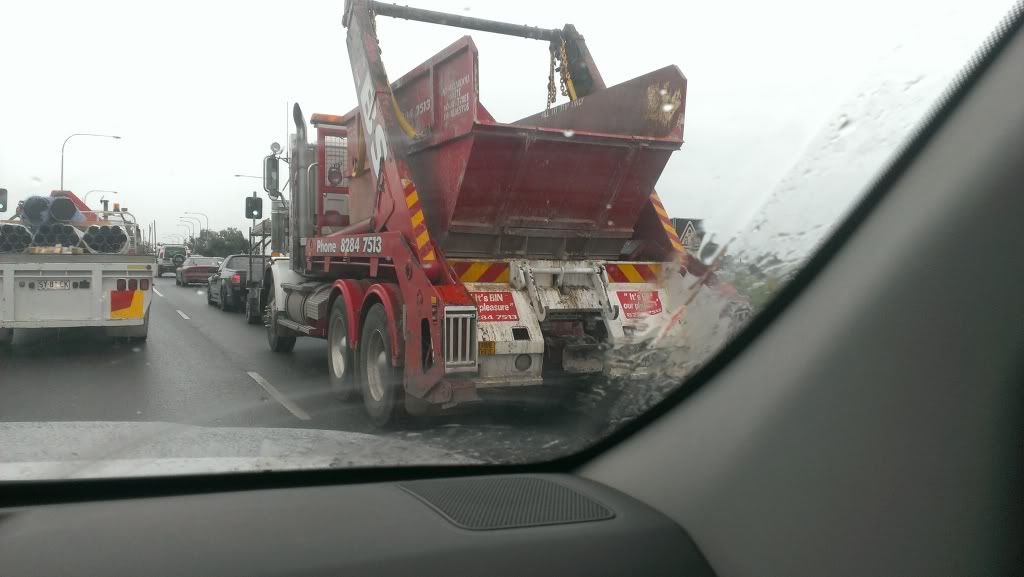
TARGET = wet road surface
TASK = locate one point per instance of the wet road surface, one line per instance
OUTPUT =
(202, 366)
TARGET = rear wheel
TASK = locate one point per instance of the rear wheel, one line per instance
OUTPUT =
(224, 300)
(278, 343)
(209, 299)
(381, 383)
(141, 334)
(339, 352)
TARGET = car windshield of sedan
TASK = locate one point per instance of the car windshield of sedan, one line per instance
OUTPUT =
(238, 262)
(202, 262)
(481, 241)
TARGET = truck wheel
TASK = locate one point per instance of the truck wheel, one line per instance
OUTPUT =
(143, 333)
(209, 299)
(278, 343)
(339, 353)
(381, 383)
(6, 337)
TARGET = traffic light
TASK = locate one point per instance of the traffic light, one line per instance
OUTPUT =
(3, 200)
(253, 207)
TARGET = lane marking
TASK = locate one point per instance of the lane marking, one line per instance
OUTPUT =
(278, 396)
(158, 293)
(182, 315)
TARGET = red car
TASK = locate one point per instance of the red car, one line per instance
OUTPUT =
(196, 270)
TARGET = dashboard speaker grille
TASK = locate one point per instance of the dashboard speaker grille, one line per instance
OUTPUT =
(488, 503)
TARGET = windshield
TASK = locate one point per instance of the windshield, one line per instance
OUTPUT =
(237, 262)
(202, 262)
(494, 243)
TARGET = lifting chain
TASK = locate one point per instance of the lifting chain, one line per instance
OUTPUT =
(563, 73)
(563, 69)
(551, 81)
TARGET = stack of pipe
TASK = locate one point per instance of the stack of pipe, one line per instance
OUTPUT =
(36, 211)
(14, 237)
(54, 233)
(64, 210)
(106, 239)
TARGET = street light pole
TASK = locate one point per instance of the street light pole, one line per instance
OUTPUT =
(66, 143)
(204, 216)
(86, 199)
(199, 225)
(191, 230)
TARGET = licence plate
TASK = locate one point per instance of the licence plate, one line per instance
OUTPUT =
(53, 285)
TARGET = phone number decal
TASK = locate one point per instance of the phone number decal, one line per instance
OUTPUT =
(349, 244)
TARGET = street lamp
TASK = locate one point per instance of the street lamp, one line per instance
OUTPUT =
(204, 216)
(86, 199)
(189, 224)
(66, 143)
(199, 225)
(248, 176)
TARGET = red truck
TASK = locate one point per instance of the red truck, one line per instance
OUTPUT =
(445, 255)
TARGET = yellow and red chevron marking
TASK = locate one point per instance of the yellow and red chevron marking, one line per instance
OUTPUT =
(633, 272)
(127, 304)
(666, 223)
(419, 227)
(480, 271)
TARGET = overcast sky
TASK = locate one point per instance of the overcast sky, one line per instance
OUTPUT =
(198, 90)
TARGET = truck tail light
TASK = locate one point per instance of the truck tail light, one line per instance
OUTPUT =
(122, 284)
(237, 278)
(133, 285)
(144, 284)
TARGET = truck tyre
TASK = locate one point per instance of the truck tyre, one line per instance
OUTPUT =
(209, 299)
(278, 343)
(143, 333)
(6, 337)
(339, 352)
(381, 383)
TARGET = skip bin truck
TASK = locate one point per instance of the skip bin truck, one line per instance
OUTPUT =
(445, 255)
(64, 265)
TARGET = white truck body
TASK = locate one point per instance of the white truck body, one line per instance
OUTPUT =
(76, 290)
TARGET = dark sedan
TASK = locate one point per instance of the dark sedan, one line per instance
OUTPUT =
(195, 270)
(227, 285)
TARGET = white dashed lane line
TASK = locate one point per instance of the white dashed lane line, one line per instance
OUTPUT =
(279, 397)
(158, 293)
(182, 315)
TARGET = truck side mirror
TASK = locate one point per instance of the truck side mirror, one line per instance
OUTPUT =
(271, 176)
(3, 200)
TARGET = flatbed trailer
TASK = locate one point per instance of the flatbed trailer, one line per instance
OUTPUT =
(84, 290)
